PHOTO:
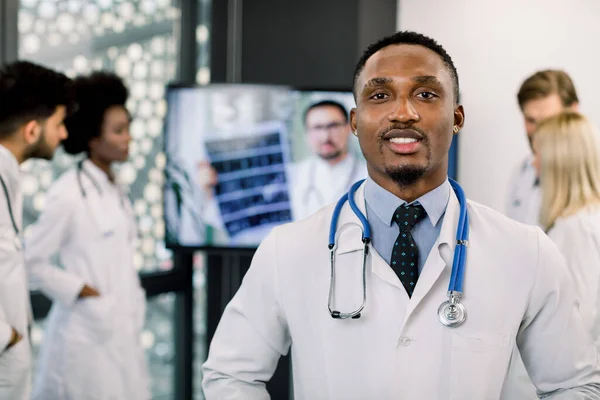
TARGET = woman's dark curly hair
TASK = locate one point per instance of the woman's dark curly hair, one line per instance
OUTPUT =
(94, 95)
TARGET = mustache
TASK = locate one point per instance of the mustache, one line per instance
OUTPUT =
(402, 127)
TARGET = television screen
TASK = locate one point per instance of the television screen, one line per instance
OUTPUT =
(242, 159)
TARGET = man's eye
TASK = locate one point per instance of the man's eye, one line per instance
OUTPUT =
(426, 95)
(379, 96)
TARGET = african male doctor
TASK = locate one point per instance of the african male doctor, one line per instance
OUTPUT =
(516, 290)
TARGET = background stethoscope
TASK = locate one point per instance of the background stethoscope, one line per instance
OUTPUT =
(452, 312)
(18, 241)
(82, 171)
(312, 190)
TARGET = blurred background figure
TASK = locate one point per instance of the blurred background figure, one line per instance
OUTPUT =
(567, 156)
(34, 102)
(542, 95)
(91, 348)
(332, 169)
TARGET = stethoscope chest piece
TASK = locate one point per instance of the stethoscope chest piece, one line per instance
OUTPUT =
(452, 313)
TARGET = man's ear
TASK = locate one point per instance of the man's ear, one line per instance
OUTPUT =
(32, 131)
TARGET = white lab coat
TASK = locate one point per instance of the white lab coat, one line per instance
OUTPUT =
(15, 309)
(91, 348)
(515, 291)
(578, 239)
(524, 197)
(314, 183)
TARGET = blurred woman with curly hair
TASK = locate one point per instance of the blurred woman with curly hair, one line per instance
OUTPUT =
(91, 348)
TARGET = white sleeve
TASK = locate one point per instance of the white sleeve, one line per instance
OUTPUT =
(6, 268)
(581, 253)
(5, 332)
(252, 333)
(44, 241)
(556, 348)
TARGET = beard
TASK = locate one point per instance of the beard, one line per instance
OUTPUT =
(330, 156)
(40, 149)
(405, 175)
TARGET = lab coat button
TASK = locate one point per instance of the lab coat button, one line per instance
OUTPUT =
(405, 341)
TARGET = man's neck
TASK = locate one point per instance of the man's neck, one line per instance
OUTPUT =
(15, 149)
(412, 192)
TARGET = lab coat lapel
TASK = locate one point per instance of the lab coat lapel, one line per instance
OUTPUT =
(440, 257)
(350, 240)
(92, 181)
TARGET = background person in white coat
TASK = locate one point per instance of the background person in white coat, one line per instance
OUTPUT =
(331, 170)
(33, 104)
(567, 156)
(542, 95)
(91, 348)
(516, 289)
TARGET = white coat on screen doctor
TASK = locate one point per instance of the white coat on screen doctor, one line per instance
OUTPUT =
(91, 346)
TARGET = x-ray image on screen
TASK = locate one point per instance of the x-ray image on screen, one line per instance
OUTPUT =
(252, 191)
(227, 149)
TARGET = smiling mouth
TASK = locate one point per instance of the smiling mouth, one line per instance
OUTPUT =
(403, 140)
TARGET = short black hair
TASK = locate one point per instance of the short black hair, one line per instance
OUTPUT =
(410, 38)
(327, 103)
(94, 94)
(30, 92)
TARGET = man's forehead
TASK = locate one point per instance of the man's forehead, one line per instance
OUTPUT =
(404, 61)
(543, 106)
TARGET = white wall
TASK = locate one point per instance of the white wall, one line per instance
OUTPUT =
(495, 45)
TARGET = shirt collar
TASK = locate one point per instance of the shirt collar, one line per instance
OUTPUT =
(384, 203)
(99, 177)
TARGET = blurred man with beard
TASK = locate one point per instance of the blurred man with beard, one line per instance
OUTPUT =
(329, 173)
(34, 102)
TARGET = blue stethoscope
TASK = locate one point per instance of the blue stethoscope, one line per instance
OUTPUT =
(452, 312)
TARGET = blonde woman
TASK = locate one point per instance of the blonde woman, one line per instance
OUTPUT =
(567, 157)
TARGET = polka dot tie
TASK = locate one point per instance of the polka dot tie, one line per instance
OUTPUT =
(405, 254)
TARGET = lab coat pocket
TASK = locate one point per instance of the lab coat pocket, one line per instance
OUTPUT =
(93, 318)
(478, 365)
(14, 368)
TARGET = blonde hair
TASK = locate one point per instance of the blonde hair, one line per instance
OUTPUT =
(569, 150)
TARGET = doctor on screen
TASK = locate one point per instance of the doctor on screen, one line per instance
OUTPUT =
(431, 292)
(542, 95)
(332, 169)
(91, 347)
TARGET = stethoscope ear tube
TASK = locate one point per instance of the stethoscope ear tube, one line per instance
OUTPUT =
(462, 238)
